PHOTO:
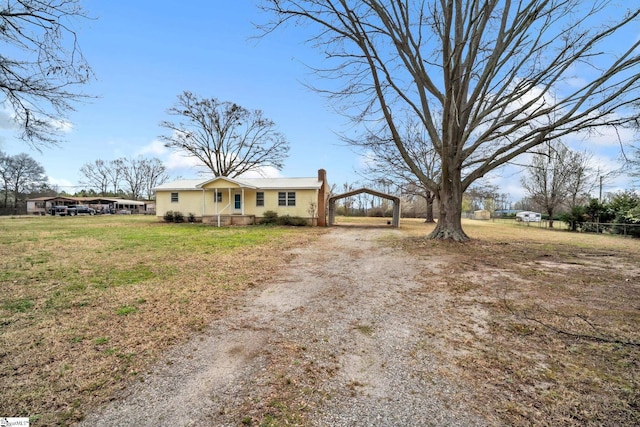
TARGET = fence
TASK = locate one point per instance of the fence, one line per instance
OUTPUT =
(632, 230)
(21, 210)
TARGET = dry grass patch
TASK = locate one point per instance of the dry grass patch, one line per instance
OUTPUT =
(543, 324)
(88, 303)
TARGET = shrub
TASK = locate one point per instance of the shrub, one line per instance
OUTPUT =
(269, 217)
(178, 216)
(295, 221)
(168, 216)
(191, 217)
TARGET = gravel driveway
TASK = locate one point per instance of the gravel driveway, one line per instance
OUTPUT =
(338, 336)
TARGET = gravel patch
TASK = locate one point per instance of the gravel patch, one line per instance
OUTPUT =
(338, 336)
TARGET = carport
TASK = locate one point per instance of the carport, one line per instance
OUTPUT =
(396, 204)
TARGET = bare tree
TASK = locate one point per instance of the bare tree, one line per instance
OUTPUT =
(228, 139)
(115, 173)
(133, 177)
(20, 174)
(555, 177)
(489, 80)
(138, 177)
(104, 177)
(582, 180)
(97, 176)
(386, 163)
(154, 173)
(4, 177)
(38, 81)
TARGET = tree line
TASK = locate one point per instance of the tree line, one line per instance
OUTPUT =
(134, 178)
(22, 178)
(445, 92)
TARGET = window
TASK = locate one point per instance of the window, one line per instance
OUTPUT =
(259, 198)
(217, 196)
(174, 197)
(286, 198)
(237, 201)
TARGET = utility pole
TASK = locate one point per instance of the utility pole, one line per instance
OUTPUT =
(600, 197)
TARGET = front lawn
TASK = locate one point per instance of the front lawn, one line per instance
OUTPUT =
(88, 303)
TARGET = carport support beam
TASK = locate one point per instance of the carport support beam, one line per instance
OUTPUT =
(396, 214)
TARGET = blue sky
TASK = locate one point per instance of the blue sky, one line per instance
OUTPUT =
(144, 53)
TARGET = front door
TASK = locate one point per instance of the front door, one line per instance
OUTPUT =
(237, 203)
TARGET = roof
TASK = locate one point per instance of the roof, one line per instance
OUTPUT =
(95, 199)
(257, 183)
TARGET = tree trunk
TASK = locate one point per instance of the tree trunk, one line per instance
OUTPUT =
(429, 198)
(550, 213)
(16, 190)
(449, 226)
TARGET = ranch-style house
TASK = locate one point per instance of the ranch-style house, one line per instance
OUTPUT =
(243, 201)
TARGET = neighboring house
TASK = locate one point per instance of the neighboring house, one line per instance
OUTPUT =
(43, 205)
(243, 201)
(481, 214)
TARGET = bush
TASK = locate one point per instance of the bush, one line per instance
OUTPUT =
(295, 221)
(191, 217)
(178, 217)
(270, 218)
(168, 216)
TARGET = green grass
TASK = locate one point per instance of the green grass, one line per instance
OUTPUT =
(71, 286)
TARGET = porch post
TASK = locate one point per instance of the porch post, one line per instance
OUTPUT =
(242, 200)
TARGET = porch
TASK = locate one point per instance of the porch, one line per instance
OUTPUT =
(225, 220)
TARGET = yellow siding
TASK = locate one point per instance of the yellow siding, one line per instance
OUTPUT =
(192, 201)
(303, 207)
(221, 184)
(188, 202)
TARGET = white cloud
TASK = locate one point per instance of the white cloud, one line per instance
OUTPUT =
(155, 147)
(6, 119)
(180, 160)
(264, 172)
(608, 136)
(61, 125)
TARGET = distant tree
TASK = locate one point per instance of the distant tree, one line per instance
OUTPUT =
(20, 174)
(347, 202)
(554, 178)
(4, 178)
(105, 177)
(228, 139)
(482, 197)
(137, 177)
(40, 65)
(633, 162)
(154, 173)
(582, 180)
(97, 176)
(488, 80)
(385, 162)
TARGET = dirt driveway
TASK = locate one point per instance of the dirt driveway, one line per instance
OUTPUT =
(336, 339)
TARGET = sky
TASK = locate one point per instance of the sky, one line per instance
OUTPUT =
(144, 53)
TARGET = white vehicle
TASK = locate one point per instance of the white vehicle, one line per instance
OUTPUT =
(528, 216)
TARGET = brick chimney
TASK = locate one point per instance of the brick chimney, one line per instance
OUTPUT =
(323, 195)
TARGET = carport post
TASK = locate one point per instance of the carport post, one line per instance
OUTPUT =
(396, 213)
